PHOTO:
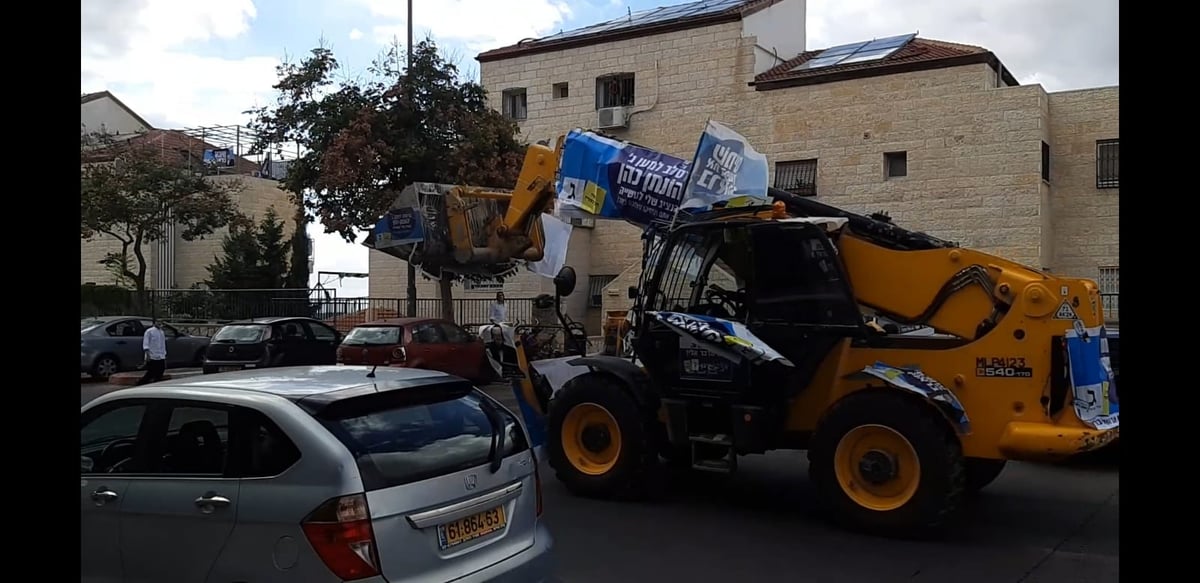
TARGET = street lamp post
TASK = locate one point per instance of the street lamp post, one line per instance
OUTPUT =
(412, 271)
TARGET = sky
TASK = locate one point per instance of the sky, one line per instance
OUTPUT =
(187, 64)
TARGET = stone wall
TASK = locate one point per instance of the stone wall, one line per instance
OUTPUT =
(193, 257)
(1086, 219)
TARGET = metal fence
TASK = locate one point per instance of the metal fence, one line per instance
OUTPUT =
(201, 307)
(1112, 312)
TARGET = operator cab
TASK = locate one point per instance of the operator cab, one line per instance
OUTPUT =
(779, 278)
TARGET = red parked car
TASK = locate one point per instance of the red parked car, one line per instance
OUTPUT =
(427, 343)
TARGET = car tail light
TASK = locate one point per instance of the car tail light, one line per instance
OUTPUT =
(399, 354)
(340, 532)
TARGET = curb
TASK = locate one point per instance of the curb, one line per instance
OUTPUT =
(131, 378)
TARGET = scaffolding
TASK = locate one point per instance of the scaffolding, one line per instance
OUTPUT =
(239, 141)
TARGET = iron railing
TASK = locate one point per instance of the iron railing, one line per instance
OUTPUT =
(201, 309)
(1112, 312)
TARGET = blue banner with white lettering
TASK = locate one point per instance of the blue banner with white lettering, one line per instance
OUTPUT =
(615, 180)
(400, 226)
(727, 172)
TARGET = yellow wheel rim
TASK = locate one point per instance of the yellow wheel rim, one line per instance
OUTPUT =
(591, 439)
(877, 467)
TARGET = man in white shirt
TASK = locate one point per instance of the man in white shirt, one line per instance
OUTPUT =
(154, 351)
(499, 310)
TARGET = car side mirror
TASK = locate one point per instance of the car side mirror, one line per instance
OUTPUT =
(632, 292)
(564, 282)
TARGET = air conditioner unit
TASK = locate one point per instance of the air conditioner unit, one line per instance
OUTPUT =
(583, 222)
(612, 117)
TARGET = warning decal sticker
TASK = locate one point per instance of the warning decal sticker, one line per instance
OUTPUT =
(1065, 312)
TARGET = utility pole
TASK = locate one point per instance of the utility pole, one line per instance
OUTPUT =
(412, 271)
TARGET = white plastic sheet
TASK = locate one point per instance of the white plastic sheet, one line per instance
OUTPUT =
(558, 236)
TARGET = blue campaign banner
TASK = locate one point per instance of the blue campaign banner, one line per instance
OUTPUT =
(615, 180)
(399, 227)
(1096, 401)
(727, 172)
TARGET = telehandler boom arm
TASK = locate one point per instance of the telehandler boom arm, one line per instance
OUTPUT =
(480, 237)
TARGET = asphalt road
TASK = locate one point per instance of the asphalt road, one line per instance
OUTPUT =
(1035, 524)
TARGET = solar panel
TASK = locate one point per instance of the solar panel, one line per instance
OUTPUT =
(889, 42)
(649, 16)
(862, 52)
(842, 49)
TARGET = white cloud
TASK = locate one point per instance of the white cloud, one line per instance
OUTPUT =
(476, 24)
(355, 34)
(138, 50)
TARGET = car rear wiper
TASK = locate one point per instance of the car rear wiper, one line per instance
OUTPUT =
(496, 456)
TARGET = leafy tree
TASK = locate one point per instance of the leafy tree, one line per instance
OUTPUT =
(252, 256)
(298, 273)
(129, 193)
(367, 138)
(273, 251)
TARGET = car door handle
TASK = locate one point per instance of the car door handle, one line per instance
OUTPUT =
(104, 496)
(209, 502)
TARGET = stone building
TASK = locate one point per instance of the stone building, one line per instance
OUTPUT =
(174, 263)
(939, 135)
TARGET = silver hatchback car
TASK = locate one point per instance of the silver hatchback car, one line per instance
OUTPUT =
(308, 475)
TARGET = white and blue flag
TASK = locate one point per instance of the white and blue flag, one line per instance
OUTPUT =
(726, 172)
(1095, 391)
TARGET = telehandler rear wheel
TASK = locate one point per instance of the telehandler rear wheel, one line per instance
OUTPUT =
(982, 472)
(887, 464)
(601, 442)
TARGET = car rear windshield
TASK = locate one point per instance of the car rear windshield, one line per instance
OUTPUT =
(241, 333)
(407, 435)
(371, 335)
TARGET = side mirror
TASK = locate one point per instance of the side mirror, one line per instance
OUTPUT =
(633, 292)
(564, 282)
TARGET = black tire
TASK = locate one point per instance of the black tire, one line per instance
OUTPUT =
(633, 474)
(982, 472)
(942, 478)
(105, 366)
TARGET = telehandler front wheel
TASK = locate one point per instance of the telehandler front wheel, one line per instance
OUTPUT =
(887, 464)
(601, 443)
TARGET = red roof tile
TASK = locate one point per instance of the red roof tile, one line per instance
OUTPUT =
(918, 54)
(175, 148)
(527, 46)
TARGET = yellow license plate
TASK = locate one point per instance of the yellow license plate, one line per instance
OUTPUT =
(471, 527)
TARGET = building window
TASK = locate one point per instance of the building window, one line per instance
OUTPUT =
(1045, 161)
(596, 285)
(1110, 290)
(1108, 173)
(479, 286)
(895, 164)
(614, 90)
(561, 91)
(515, 104)
(797, 177)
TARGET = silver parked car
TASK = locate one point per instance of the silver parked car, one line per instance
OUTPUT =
(112, 344)
(309, 475)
